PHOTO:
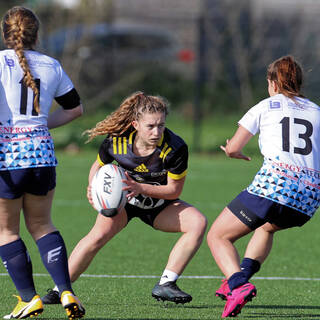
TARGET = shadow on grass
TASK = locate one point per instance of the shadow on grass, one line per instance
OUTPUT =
(122, 318)
(184, 306)
(275, 314)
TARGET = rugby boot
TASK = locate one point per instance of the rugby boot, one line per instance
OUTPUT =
(72, 305)
(223, 290)
(237, 298)
(52, 297)
(25, 310)
(169, 291)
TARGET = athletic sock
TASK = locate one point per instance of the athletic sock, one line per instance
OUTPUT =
(237, 280)
(17, 261)
(249, 267)
(168, 276)
(54, 257)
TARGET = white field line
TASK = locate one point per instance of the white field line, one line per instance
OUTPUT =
(184, 277)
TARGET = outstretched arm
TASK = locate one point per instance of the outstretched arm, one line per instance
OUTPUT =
(234, 146)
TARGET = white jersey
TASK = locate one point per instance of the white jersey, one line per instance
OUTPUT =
(289, 141)
(25, 141)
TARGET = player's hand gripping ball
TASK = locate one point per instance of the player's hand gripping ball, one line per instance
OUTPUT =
(106, 189)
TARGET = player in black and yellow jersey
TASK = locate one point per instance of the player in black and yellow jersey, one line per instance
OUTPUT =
(169, 159)
(155, 160)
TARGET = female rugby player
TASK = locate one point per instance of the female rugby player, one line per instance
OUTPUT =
(155, 160)
(284, 193)
(29, 81)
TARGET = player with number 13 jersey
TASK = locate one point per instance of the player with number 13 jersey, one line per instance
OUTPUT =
(285, 193)
(289, 139)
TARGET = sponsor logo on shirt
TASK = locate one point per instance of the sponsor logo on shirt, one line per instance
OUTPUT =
(274, 105)
(16, 129)
(9, 62)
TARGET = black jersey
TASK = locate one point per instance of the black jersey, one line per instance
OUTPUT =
(170, 158)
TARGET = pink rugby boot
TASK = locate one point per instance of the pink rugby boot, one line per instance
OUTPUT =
(224, 289)
(237, 298)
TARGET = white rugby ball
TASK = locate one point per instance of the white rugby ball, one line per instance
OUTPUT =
(106, 190)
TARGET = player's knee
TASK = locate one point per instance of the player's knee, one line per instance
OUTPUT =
(199, 226)
(214, 235)
(39, 229)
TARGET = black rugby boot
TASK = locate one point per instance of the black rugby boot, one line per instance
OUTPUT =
(169, 291)
(52, 297)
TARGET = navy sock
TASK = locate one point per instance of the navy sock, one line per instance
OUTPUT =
(249, 267)
(54, 257)
(18, 264)
(237, 280)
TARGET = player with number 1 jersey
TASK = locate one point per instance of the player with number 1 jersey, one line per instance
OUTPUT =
(29, 81)
(25, 141)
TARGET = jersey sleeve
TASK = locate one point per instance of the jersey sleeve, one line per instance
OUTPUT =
(178, 164)
(70, 100)
(251, 120)
(104, 156)
(65, 85)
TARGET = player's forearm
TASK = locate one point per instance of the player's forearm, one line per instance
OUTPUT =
(167, 192)
(61, 116)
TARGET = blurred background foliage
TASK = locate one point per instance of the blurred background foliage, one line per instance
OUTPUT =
(207, 57)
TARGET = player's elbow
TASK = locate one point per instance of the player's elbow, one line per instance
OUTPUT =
(78, 111)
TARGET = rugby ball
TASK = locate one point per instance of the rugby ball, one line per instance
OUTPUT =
(106, 190)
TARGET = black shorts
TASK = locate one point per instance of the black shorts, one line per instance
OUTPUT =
(37, 181)
(254, 211)
(146, 215)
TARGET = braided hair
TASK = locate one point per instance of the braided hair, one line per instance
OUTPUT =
(20, 32)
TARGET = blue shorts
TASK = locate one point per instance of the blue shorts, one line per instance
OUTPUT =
(37, 181)
(254, 211)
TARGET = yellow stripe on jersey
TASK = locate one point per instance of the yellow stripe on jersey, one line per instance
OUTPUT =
(119, 145)
(177, 176)
(114, 145)
(166, 153)
(131, 136)
(163, 150)
(99, 160)
(160, 142)
(124, 145)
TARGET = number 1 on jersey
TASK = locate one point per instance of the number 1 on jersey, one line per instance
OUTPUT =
(24, 98)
